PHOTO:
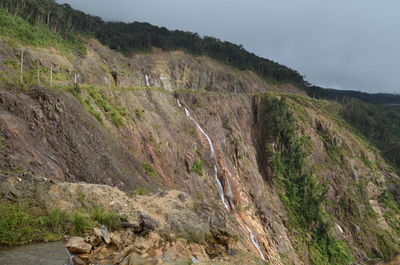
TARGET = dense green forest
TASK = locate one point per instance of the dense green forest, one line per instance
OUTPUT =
(343, 96)
(379, 124)
(131, 37)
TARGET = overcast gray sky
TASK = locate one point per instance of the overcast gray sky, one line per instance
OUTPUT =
(344, 44)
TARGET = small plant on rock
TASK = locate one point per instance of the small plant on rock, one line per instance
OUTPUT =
(198, 167)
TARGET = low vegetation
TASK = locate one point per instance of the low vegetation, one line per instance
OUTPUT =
(141, 191)
(149, 169)
(22, 224)
(198, 167)
(106, 218)
(114, 112)
(300, 190)
(17, 29)
(391, 207)
(93, 97)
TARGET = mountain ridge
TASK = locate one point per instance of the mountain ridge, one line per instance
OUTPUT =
(308, 187)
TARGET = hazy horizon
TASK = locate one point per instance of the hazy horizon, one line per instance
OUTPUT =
(343, 45)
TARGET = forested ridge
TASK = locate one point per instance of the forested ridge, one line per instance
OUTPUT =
(379, 124)
(136, 36)
(343, 96)
(131, 37)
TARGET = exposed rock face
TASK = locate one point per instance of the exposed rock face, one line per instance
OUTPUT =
(48, 133)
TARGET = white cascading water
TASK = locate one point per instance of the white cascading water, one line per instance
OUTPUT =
(228, 203)
(254, 240)
(147, 80)
(219, 184)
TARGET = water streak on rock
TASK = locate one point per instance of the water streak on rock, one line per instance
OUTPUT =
(228, 202)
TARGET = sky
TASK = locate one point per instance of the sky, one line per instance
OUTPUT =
(343, 44)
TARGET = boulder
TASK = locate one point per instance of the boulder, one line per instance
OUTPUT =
(78, 245)
(103, 233)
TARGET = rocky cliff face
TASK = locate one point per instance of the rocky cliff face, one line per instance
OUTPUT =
(222, 157)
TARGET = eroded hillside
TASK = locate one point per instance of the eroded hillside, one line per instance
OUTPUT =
(194, 157)
(155, 145)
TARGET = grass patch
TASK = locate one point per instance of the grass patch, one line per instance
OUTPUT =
(14, 28)
(198, 167)
(392, 210)
(23, 224)
(114, 113)
(80, 223)
(19, 226)
(148, 169)
(141, 191)
(76, 91)
(107, 218)
(12, 64)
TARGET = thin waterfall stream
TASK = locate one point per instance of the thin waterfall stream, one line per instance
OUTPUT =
(229, 204)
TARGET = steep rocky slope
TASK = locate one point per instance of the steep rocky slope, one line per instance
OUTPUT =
(297, 185)
(50, 134)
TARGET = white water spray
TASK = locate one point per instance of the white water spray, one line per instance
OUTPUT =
(147, 80)
(220, 188)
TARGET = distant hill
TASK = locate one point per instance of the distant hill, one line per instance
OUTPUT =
(344, 96)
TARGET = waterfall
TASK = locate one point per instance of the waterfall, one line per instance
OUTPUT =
(254, 240)
(219, 184)
(147, 80)
(229, 205)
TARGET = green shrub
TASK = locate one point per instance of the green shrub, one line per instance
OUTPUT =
(198, 167)
(149, 169)
(116, 118)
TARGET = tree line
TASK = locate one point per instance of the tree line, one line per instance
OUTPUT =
(60, 18)
(344, 96)
(133, 37)
(379, 124)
